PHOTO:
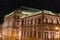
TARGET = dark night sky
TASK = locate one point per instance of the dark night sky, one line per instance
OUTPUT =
(6, 6)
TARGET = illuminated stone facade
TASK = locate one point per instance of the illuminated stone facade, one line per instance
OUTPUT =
(31, 24)
(0, 31)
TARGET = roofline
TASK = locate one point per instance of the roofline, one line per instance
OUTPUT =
(29, 8)
(40, 14)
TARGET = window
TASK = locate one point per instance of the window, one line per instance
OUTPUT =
(22, 22)
(24, 33)
(25, 22)
(44, 20)
(39, 20)
(52, 20)
(35, 34)
(39, 34)
(31, 21)
(35, 28)
(27, 33)
(28, 21)
(35, 21)
(49, 21)
(31, 27)
(46, 35)
(17, 22)
(30, 33)
(56, 35)
(55, 21)
(51, 34)
(59, 21)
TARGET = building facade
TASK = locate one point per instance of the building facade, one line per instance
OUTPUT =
(0, 31)
(31, 24)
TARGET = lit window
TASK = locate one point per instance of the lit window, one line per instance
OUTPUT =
(49, 35)
(49, 21)
(0, 35)
(59, 21)
(44, 20)
(56, 35)
(54, 21)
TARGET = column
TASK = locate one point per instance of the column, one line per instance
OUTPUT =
(20, 35)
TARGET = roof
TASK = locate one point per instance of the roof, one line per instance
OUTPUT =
(26, 11)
